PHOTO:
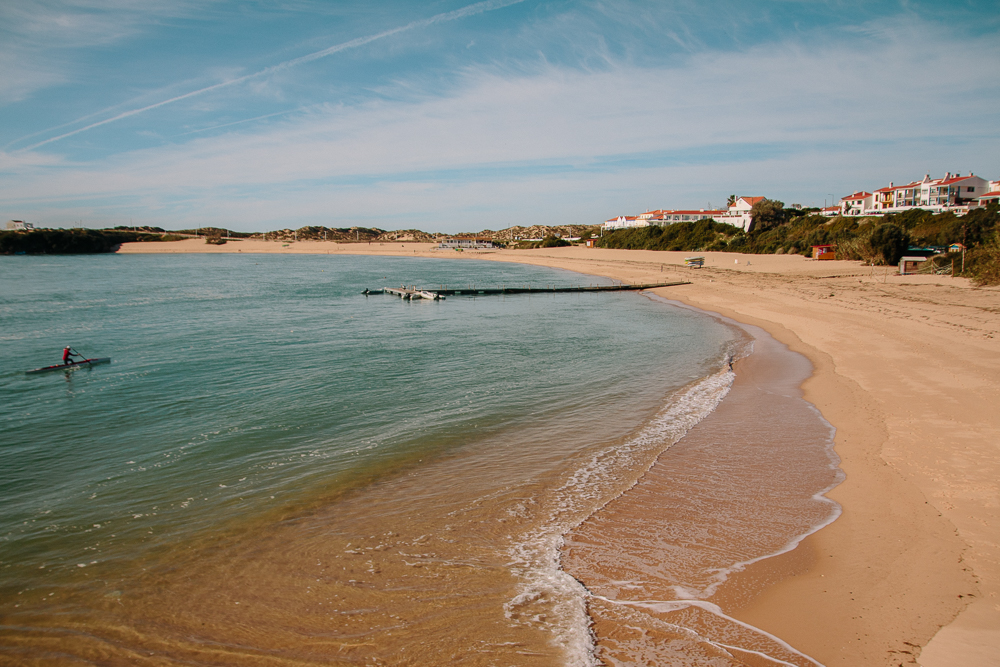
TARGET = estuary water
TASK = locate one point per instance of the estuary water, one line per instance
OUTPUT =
(278, 470)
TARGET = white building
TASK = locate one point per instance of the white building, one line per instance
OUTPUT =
(624, 222)
(19, 224)
(738, 214)
(687, 215)
(952, 193)
(466, 243)
(857, 203)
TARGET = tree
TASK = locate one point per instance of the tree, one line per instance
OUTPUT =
(765, 214)
(890, 241)
(731, 200)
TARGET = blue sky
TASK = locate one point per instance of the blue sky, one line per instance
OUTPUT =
(460, 116)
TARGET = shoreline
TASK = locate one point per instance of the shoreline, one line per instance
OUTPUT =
(906, 369)
(731, 493)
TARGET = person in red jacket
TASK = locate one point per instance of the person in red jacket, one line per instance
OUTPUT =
(68, 355)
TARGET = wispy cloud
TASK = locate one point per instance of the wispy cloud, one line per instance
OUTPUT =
(470, 10)
(554, 117)
(786, 120)
(37, 37)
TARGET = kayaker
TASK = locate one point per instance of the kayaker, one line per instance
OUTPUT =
(68, 355)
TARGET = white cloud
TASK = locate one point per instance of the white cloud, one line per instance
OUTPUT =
(40, 39)
(836, 113)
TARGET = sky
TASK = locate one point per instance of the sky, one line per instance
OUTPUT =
(450, 115)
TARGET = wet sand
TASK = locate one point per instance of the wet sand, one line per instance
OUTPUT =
(908, 371)
(744, 484)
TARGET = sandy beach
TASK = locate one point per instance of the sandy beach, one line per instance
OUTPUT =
(908, 371)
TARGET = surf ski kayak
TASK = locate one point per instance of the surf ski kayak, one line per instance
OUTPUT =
(69, 367)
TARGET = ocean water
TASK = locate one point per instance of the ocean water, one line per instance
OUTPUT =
(276, 469)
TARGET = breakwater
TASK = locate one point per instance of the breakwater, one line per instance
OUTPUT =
(413, 292)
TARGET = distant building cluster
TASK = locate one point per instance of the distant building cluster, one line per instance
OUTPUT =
(20, 225)
(954, 193)
(738, 215)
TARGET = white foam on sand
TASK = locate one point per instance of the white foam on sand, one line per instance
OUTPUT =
(550, 599)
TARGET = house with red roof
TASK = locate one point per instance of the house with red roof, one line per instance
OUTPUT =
(952, 193)
(857, 203)
(896, 196)
(990, 197)
(739, 212)
(952, 190)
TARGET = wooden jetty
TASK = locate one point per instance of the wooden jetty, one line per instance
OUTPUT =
(413, 293)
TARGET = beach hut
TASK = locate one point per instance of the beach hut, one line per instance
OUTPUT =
(591, 243)
(910, 264)
(824, 252)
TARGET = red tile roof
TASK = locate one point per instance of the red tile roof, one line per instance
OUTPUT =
(856, 195)
(690, 212)
(954, 179)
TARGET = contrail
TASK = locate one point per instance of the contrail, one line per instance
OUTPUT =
(240, 122)
(470, 10)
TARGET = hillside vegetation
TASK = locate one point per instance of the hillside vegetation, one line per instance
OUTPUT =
(71, 241)
(873, 240)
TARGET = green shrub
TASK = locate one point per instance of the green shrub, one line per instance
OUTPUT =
(889, 241)
(553, 242)
(982, 265)
(63, 241)
(700, 235)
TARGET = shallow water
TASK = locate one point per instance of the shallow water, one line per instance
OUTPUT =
(277, 470)
(744, 484)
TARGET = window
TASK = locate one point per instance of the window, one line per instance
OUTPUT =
(970, 189)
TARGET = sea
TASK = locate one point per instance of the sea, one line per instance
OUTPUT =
(278, 469)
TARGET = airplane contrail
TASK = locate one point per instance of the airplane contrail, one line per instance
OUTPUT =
(470, 10)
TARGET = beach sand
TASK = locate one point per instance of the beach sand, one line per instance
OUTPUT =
(907, 368)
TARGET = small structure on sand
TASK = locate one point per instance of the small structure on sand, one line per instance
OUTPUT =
(911, 264)
(466, 243)
(824, 252)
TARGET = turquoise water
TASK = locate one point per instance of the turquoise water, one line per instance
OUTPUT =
(245, 390)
